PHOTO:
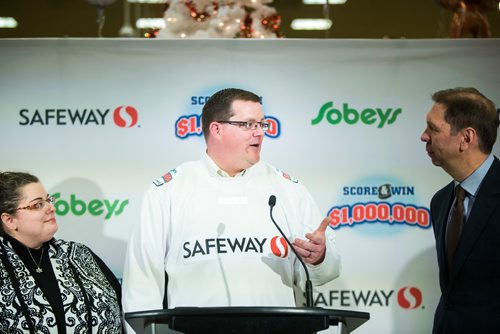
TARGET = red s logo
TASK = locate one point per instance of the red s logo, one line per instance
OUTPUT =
(130, 118)
(279, 246)
(409, 297)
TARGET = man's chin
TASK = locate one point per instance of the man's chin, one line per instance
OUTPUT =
(253, 162)
(436, 162)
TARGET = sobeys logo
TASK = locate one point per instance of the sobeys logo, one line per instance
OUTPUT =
(351, 116)
(95, 207)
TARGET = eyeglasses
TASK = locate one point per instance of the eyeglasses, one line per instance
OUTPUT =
(40, 204)
(248, 125)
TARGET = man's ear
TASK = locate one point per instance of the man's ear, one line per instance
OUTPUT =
(469, 137)
(214, 129)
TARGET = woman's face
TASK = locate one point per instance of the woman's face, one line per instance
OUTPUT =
(34, 222)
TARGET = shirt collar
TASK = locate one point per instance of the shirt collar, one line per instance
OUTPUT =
(473, 182)
(216, 170)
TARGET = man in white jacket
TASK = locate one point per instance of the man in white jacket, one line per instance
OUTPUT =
(205, 237)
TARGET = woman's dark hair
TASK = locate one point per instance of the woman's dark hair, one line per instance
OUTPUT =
(10, 185)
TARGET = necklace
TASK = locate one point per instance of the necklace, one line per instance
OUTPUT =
(38, 269)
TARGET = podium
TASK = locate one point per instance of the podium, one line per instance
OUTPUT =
(248, 320)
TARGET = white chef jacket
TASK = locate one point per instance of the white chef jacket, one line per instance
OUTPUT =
(213, 237)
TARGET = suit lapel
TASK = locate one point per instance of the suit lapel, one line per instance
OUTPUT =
(484, 205)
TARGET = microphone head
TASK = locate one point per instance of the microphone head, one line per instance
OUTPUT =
(272, 200)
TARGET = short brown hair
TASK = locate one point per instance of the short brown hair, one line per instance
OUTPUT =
(218, 106)
(467, 107)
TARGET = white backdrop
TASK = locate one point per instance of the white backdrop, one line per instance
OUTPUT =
(98, 120)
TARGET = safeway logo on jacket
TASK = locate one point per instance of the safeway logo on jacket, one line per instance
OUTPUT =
(279, 246)
(276, 246)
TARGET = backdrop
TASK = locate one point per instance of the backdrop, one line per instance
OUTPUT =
(98, 119)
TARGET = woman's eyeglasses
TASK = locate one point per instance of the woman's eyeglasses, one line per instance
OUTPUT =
(40, 204)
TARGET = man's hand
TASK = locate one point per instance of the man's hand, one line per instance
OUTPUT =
(313, 249)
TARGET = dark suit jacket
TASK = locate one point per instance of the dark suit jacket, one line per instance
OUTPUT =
(470, 293)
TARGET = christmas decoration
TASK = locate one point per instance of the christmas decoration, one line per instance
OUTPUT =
(220, 19)
(469, 19)
(152, 33)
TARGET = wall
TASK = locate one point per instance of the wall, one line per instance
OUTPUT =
(98, 120)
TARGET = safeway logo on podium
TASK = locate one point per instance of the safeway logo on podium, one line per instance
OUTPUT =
(408, 298)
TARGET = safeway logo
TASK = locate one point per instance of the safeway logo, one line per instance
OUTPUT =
(210, 247)
(409, 297)
(125, 116)
(279, 246)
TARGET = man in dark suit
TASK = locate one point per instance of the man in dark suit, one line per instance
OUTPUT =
(461, 130)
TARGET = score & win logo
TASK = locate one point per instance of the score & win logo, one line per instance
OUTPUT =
(368, 210)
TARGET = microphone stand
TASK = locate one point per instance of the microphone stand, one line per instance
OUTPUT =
(309, 292)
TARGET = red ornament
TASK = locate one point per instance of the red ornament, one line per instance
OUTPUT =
(197, 16)
(153, 33)
(272, 23)
(246, 30)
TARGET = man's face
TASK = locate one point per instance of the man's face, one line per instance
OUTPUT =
(442, 146)
(242, 147)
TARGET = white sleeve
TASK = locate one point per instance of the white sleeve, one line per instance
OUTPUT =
(329, 269)
(144, 272)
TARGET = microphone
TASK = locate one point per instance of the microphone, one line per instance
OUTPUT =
(309, 293)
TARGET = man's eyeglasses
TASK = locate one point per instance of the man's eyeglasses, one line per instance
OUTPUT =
(249, 125)
(40, 204)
